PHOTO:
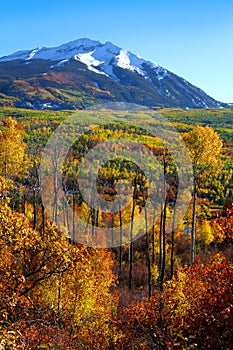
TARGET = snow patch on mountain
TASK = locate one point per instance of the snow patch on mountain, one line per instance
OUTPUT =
(123, 61)
(61, 63)
(33, 53)
(107, 55)
(90, 61)
(161, 73)
(127, 60)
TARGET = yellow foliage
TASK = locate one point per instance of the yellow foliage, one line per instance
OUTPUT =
(204, 145)
(178, 297)
(155, 272)
(205, 233)
(13, 159)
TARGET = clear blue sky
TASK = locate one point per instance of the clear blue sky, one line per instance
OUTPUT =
(194, 39)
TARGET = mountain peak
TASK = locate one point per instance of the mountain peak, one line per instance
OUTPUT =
(82, 42)
(61, 52)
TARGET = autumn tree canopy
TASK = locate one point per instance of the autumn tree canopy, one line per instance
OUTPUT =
(204, 146)
(13, 159)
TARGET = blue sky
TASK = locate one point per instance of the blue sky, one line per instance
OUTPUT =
(194, 39)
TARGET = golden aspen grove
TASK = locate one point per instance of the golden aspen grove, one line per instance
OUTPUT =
(166, 289)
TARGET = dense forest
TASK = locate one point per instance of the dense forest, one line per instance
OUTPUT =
(149, 288)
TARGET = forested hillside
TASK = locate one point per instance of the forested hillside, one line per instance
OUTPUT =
(167, 289)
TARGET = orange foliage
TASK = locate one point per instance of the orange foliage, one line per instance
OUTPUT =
(226, 223)
(195, 311)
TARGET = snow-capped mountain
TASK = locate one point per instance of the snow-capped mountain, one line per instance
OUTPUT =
(53, 77)
(99, 58)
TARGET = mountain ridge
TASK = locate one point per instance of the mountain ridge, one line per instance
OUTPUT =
(84, 72)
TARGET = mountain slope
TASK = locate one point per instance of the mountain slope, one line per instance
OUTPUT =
(85, 72)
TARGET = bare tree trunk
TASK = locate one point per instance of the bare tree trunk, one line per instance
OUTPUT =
(153, 239)
(164, 234)
(67, 217)
(121, 248)
(59, 295)
(35, 176)
(55, 187)
(164, 238)
(112, 226)
(160, 240)
(194, 215)
(97, 217)
(131, 240)
(148, 257)
(73, 216)
(34, 208)
(43, 219)
(173, 243)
